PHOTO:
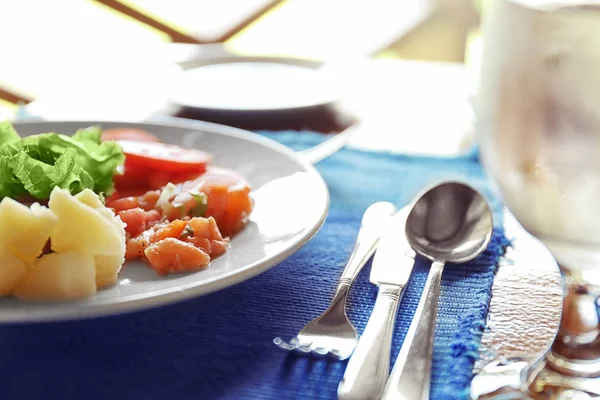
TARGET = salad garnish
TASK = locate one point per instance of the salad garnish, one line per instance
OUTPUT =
(35, 165)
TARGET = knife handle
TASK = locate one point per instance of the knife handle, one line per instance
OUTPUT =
(369, 366)
(374, 222)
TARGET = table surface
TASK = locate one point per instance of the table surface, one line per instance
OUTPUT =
(406, 107)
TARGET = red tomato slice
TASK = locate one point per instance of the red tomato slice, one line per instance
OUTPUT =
(135, 178)
(164, 157)
(132, 177)
(129, 134)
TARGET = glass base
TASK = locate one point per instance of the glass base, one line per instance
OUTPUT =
(531, 377)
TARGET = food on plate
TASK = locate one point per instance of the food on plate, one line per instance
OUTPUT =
(25, 230)
(81, 227)
(197, 212)
(179, 245)
(128, 133)
(34, 165)
(152, 165)
(67, 250)
(12, 270)
(160, 156)
(59, 276)
(74, 208)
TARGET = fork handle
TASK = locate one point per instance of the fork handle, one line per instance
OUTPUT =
(369, 367)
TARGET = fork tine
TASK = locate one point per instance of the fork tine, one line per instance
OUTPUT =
(320, 350)
(309, 348)
(293, 345)
(279, 342)
(304, 349)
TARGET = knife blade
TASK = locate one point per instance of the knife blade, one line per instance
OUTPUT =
(393, 261)
(369, 367)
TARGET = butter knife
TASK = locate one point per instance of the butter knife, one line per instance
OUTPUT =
(369, 367)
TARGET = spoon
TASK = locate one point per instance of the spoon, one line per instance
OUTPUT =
(450, 222)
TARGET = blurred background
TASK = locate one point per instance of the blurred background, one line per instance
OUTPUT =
(73, 49)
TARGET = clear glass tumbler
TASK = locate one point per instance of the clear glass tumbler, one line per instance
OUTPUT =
(538, 123)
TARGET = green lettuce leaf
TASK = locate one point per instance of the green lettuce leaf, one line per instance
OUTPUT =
(36, 164)
(39, 178)
(99, 159)
(7, 133)
(90, 134)
(10, 185)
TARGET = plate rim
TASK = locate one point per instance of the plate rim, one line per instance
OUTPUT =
(237, 58)
(82, 309)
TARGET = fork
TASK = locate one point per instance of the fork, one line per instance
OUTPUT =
(332, 333)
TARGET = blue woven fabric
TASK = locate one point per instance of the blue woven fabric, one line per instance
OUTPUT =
(220, 346)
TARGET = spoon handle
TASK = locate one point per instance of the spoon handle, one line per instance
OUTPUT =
(411, 375)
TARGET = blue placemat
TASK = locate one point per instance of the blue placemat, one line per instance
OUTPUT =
(219, 346)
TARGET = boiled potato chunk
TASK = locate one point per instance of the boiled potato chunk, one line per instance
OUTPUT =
(12, 270)
(23, 230)
(89, 198)
(107, 269)
(81, 228)
(59, 276)
(87, 240)
(116, 221)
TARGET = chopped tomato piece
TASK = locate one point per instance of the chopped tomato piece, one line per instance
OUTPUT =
(128, 134)
(218, 247)
(164, 157)
(207, 236)
(151, 218)
(135, 219)
(201, 243)
(146, 201)
(229, 200)
(205, 227)
(149, 199)
(238, 209)
(172, 230)
(135, 247)
(124, 203)
(217, 202)
(171, 255)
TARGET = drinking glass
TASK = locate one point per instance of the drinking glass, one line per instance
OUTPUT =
(538, 123)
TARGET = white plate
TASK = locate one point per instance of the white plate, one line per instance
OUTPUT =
(254, 84)
(291, 203)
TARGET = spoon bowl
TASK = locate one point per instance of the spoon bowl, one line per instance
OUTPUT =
(450, 222)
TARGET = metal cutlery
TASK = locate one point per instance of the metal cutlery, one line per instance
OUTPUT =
(330, 146)
(450, 222)
(369, 366)
(332, 333)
